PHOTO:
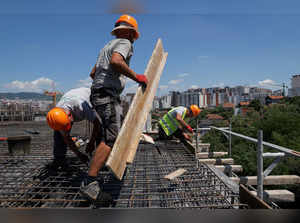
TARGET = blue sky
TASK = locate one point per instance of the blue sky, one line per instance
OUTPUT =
(210, 43)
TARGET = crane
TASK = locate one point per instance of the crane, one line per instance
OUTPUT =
(54, 95)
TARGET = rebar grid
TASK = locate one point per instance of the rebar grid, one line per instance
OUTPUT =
(24, 183)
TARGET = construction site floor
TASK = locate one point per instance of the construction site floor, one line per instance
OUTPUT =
(24, 182)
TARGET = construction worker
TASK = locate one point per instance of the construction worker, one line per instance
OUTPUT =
(74, 106)
(108, 74)
(174, 122)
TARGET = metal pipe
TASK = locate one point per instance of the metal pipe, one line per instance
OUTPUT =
(260, 176)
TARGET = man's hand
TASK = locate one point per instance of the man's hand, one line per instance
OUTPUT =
(188, 137)
(189, 128)
(142, 79)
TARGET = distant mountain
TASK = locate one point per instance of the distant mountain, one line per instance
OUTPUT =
(25, 95)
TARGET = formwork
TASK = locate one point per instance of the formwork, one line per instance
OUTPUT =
(24, 182)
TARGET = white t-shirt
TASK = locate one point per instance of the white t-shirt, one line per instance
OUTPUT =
(178, 110)
(77, 101)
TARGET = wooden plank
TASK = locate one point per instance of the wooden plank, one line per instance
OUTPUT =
(204, 155)
(217, 161)
(175, 174)
(278, 195)
(227, 168)
(269, 180)
(251, 200)
(189, 146)
(128, 139)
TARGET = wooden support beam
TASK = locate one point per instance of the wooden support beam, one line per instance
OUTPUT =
(217, 161)
(269, 180)
(277, 195)
(129, 136)
(254, 202)
(227, 168)
(204, 155)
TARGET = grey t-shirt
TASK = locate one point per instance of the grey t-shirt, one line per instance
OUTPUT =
(105, 76)
(77, 101)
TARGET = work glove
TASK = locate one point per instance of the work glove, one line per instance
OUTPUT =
(189, 128)
(142, 79)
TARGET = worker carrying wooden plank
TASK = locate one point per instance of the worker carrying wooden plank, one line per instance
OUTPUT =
(108, 74)
(174, 123)
(74, 106)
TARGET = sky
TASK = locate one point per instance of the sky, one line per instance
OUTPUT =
(53, 45)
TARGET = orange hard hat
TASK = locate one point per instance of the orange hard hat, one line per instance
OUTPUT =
(195, 110)
(127, 22)
(58, 119)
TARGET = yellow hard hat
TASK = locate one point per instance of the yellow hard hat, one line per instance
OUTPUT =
(58, 119)
(128, 22)
(195, 110)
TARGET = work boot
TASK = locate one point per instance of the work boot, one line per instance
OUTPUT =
(93, 193)
(58, 165)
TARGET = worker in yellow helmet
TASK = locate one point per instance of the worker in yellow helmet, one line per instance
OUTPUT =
(109, 74)
(74, 106)
(174, 122)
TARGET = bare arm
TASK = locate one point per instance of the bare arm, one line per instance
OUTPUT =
(68, 140)
(118, 64)
(181, 121)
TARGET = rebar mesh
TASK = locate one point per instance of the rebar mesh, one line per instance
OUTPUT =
(25, 184)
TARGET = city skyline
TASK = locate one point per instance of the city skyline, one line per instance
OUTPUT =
(210, 43)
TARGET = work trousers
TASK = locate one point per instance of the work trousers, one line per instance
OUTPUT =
(163, 136)
(59, 147)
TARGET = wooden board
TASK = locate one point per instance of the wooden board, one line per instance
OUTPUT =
(175, 174)
(251, 200)
(269, 180)
(129, 136)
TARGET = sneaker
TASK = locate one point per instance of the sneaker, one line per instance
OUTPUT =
(94, 194)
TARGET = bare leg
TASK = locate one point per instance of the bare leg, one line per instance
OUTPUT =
(99, 159)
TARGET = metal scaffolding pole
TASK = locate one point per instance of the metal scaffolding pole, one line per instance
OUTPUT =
(260, 171)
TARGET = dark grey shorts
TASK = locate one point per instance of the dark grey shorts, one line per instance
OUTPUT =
(109, 116)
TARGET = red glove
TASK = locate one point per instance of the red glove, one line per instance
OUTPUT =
(142, 79)
(190, 129)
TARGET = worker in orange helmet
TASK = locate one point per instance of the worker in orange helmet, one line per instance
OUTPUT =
(74, 106)
(109, 74)
(174, 123)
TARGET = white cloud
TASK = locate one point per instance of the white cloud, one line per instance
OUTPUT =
(183, 75)
(194, 86)
(85, 82)
(220, 85)
(37, 85)
(267, 82)
(131, 89)
(174, 82)
(163, 87)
